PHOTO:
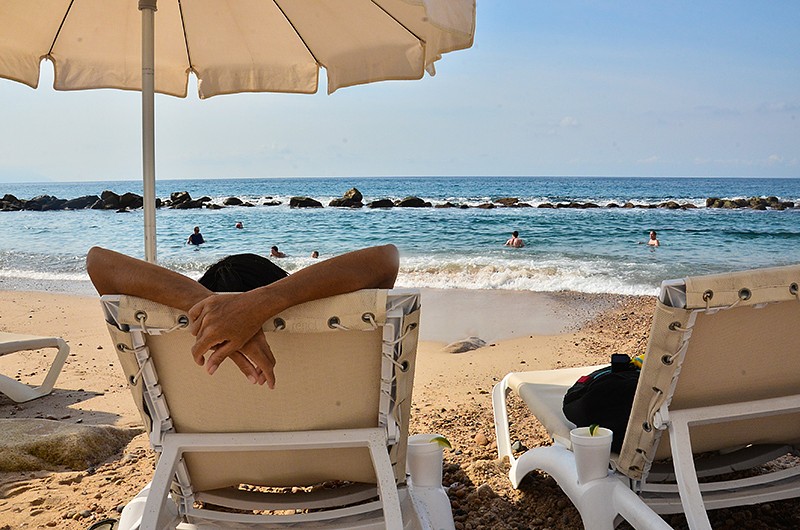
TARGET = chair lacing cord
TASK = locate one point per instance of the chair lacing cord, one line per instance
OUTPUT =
(652, 407)
(141, 317)
(402, 366)
(408, 330)
(369, 317)
(135, 378)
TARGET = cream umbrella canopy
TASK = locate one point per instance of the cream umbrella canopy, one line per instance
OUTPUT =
(230, 45)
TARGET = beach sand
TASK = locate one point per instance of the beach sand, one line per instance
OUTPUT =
(452, 396)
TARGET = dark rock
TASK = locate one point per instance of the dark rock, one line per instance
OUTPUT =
(628, 205)
(741, 203)
(672, 205)
(760, 207)
(486, 206)
(233, 201)
(413, 202)
(612, 205)
(522, 205)
(711, 201)
(345, 203)
(729, 205)
(188, 205)
(777, 206)
(590, 205)
(688, 206)
(87, 201)
(304, 202)
(266, 203)
(110, 200)
(771, 199)
(213, 206)
(788, 204)
(353, 194)
(446, 205)
(178, 197)
(131, 201)
(507, 201)
(381, 203)
(545, 205)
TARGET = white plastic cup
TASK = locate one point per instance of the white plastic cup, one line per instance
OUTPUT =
(592, 453)
(424, 460)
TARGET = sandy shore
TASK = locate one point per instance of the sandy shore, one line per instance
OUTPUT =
(524, 331)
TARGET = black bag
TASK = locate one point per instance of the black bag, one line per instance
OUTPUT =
(604, 397)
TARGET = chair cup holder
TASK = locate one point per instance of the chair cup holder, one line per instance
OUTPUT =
(424, 460)
(592, 453)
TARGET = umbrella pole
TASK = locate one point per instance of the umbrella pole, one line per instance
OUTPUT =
(148, 9)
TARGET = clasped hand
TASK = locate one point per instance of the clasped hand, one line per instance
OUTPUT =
(227, 325)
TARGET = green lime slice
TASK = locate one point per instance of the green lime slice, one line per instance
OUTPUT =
(593, 429)
(441, 440)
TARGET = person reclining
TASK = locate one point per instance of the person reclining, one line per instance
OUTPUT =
(229, 324)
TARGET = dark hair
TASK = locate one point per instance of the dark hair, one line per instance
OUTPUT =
(515, 233)
(241, 272)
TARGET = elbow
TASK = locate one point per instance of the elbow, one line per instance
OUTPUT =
(391, 261)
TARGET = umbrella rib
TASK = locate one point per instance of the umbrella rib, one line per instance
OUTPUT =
(296, 32)
(376, 4)
(63, 19)
(185, 40)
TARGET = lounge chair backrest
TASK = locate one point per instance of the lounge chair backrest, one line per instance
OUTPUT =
(332, 373)
(736, 340)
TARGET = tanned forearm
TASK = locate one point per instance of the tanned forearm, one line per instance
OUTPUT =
(115, 273)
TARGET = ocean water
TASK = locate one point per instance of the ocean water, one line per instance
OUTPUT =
(592, 250)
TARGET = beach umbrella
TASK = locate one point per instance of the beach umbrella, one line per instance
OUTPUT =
(230, 45)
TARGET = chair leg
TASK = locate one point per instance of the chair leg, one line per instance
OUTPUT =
(599, 502)
(500, 408)
(686, 475)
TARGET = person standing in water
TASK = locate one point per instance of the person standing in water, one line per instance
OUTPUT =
(515, 241)
(196, 238)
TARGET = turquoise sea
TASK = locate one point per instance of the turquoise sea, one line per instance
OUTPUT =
(587, 250)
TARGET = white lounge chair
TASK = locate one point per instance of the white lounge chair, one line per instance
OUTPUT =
(721, 377)
(13, 343)
(339, 412)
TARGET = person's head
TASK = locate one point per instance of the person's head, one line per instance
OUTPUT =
(514, 234)
(196, 229)
(315, 254)
(241, 272)
(652, 234)
(239, 224)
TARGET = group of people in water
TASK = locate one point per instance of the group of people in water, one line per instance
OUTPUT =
(517, 242)
(197, 239)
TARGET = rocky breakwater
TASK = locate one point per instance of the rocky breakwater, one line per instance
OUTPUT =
(756, 203)
(354, 199)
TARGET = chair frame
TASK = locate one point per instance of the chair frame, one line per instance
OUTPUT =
(13, 343)
(639, 498)
(350, 507)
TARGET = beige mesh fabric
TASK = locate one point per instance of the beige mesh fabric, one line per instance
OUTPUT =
(747, 352)
(231, 45)
(326, 379)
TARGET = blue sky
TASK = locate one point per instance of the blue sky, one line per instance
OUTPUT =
(671, 88)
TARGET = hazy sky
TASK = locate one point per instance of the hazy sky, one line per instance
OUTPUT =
(618, 88)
